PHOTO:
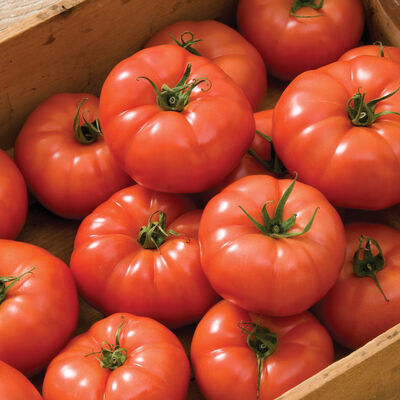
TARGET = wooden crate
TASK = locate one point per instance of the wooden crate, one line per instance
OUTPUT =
(71, 46)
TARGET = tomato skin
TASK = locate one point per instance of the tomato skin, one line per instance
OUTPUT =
(354, 310)
(226, 368)
(390, 52)
(67, 177)
(355, 167)
(156, 367)
(167, 284)
(276, 277)
(226, 48)
(15, 386)
(13, 198)
(291, 45)
(40, 312)
(180, 152)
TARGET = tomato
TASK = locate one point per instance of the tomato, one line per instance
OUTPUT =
(15, 386)
(390, 52)
(38, 306)
(120, 357)
(294, 36)
(138, 252)
(69, 177)
(359, 308)
(271, 246)
(339, 141)
(13, 198)
(184, 140)
(225, 47)
(229, 342)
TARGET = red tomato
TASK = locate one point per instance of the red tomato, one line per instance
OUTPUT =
(225, 47)
(390, 52)
(355, 310)
(261, 261)
(15, 386)
(195, 144)
(156, 269)
(68, 177)
(38, 306)
(293, 37)
(120, 357)
(338, 141)
(13, 198)
(225, 357)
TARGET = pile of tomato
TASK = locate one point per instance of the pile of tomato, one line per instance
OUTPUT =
(197, 207)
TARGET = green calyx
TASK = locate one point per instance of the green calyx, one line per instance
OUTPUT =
(153, 235)
(274, 165)
(276, 227)
(111, 356)
(11, 280)
(88, 132)
(362, 113)
(187, 44)
(177, 98)
(381, 52)
(365, 263)
(297, 4)
(262, 342)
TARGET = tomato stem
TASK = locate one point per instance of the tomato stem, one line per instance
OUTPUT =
(177, 98)
(262, 342)
(13, 279)
(362, 113)
(298, 4)
(88, 132)
(187, 44)
(369, 264)
(381, 52)
(275, 227)
(111, 356)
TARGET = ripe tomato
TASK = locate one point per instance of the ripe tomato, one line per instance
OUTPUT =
(38, 306)
(294, 36)
(267, 256)
(120, 357)
(356, 309)
(189, 136)
(344, 144)
(238, 355)
(390, 52)
(13, 198)
(15, 386)
(69, 177)
(138, 252)
(225, 47)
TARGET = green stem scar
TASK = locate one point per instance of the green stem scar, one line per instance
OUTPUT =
(297, 4)
(88, 132)
(12, 280)
(187, 44)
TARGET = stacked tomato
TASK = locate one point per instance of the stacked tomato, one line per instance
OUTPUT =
(198, 207)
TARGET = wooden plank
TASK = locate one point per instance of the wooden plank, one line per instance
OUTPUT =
(72, 45)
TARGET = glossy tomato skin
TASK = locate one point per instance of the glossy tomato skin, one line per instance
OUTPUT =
(115, 273)
(40, 311)
(67, 177)
(271, 276)
(15, 386)
(355, 167)
(170, 151)
(354, 310)
(156, 366)
(226, 368)
(390, 52)
(13, 198)
(226, 48)
(291, 45)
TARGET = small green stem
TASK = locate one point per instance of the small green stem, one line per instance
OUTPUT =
(298, 4)
(381, 52)
(369, 264)
(187, 44)
(111, 356)
(13, 279)
(88, 132)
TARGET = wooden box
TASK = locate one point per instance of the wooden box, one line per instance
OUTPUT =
(71, 46)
